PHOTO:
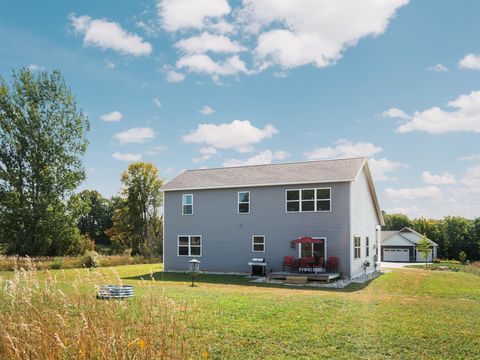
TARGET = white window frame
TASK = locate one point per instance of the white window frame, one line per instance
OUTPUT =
(183, 204)
(264, 243)
(189, 245)
(324, 247)
(355, 247)
(243, 202)
(314, 199)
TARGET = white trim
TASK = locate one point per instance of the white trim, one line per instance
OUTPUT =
(189, 245)
(238, 203)
(360, 248)
(183, 196)
(264, 244)
(239, 186)
(163, 232)
(324, 247)
(314, 200)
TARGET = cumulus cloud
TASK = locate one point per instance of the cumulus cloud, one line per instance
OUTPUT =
(315, 31)
(208, 42)
(465, 117)
(239, 135)
(126, 156)
(443, 179)
(187, 14)
(428, 192)
(263, 157)
(201, 63)
(343, 148)
(206, 153)
(112, 117)
(109, 35)
(471, 179)
(411, 211)
(381, 168)
(173, 76)
(470, 61)
(134, 135)
(206, 110)
(469, 157)
(395, 113)
(438, 68)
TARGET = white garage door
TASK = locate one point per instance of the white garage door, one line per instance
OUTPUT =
(396, 255)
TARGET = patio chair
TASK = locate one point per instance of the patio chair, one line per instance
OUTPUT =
(289, 263)
(321, 262)
(332, 263)
(304, 265)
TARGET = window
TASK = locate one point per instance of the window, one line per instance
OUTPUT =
(308, 200)
(367, 247)
(244, 202)
(187, 204)
(357, 241)
(189, 245)
(258, 243)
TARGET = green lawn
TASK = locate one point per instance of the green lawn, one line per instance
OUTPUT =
(404, 314)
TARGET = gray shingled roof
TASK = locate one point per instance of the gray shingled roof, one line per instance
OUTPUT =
(273, 174)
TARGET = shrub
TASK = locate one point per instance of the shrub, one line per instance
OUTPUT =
(462, 256)
(57, 263)
(91, 259)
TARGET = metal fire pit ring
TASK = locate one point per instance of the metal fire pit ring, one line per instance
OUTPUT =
(115, 292)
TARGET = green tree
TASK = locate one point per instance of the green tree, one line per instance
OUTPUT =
(395, 221)
(431, 229)
(424, 247)
(43, 139)
(456, 232)
(137, 220)
(96, 217)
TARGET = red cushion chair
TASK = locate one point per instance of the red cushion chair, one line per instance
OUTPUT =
(332, 263)
(288, 262)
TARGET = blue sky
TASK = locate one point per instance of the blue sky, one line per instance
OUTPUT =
(207, 83)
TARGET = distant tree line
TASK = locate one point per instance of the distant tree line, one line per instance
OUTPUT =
(453, 234)
(43, 138)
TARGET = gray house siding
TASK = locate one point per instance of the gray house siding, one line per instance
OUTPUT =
(227, 235)
(364, 224)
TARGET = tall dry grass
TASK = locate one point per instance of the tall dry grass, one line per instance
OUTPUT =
(42, 317)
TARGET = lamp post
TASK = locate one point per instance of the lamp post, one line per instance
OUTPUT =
(194, 270)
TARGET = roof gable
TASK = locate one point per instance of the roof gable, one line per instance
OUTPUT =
(407, 233)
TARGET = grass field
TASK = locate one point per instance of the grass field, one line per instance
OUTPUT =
(404, 314)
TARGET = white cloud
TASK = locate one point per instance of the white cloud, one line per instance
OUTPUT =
(381, 167)
(208, 42)
(112, 117)
(156, 150)
(207, 153)
(314, 31)
(206, 110)
(239, 135)
(470, 157)
(109, 35)
(264, 157)
(466, 117)
(109, 64)
(395, 113)
(443, 179)
(428, 192)
(411, 211)
(201, 63)
(471, 179)
(187, 14)
(126, 156)
(438, 68)
(470, 61)
(134, 135)
(343, 148)
(173, 76)
(157, 103)
(35, 67)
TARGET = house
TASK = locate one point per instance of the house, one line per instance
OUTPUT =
(401, 246)
(224, 217)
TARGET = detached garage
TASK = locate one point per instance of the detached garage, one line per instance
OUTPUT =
(401, 246)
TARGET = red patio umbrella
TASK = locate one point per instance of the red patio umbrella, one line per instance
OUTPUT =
(306, 240)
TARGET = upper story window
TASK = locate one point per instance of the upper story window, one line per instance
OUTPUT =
(367, 247)
(187, 204)
(356, 244)
(244, 202)
(308, 200)
(258, 243)
(190, 245)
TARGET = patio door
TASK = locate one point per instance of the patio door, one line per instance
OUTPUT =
(316, 250)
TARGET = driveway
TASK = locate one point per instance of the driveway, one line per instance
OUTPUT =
(396, 265)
